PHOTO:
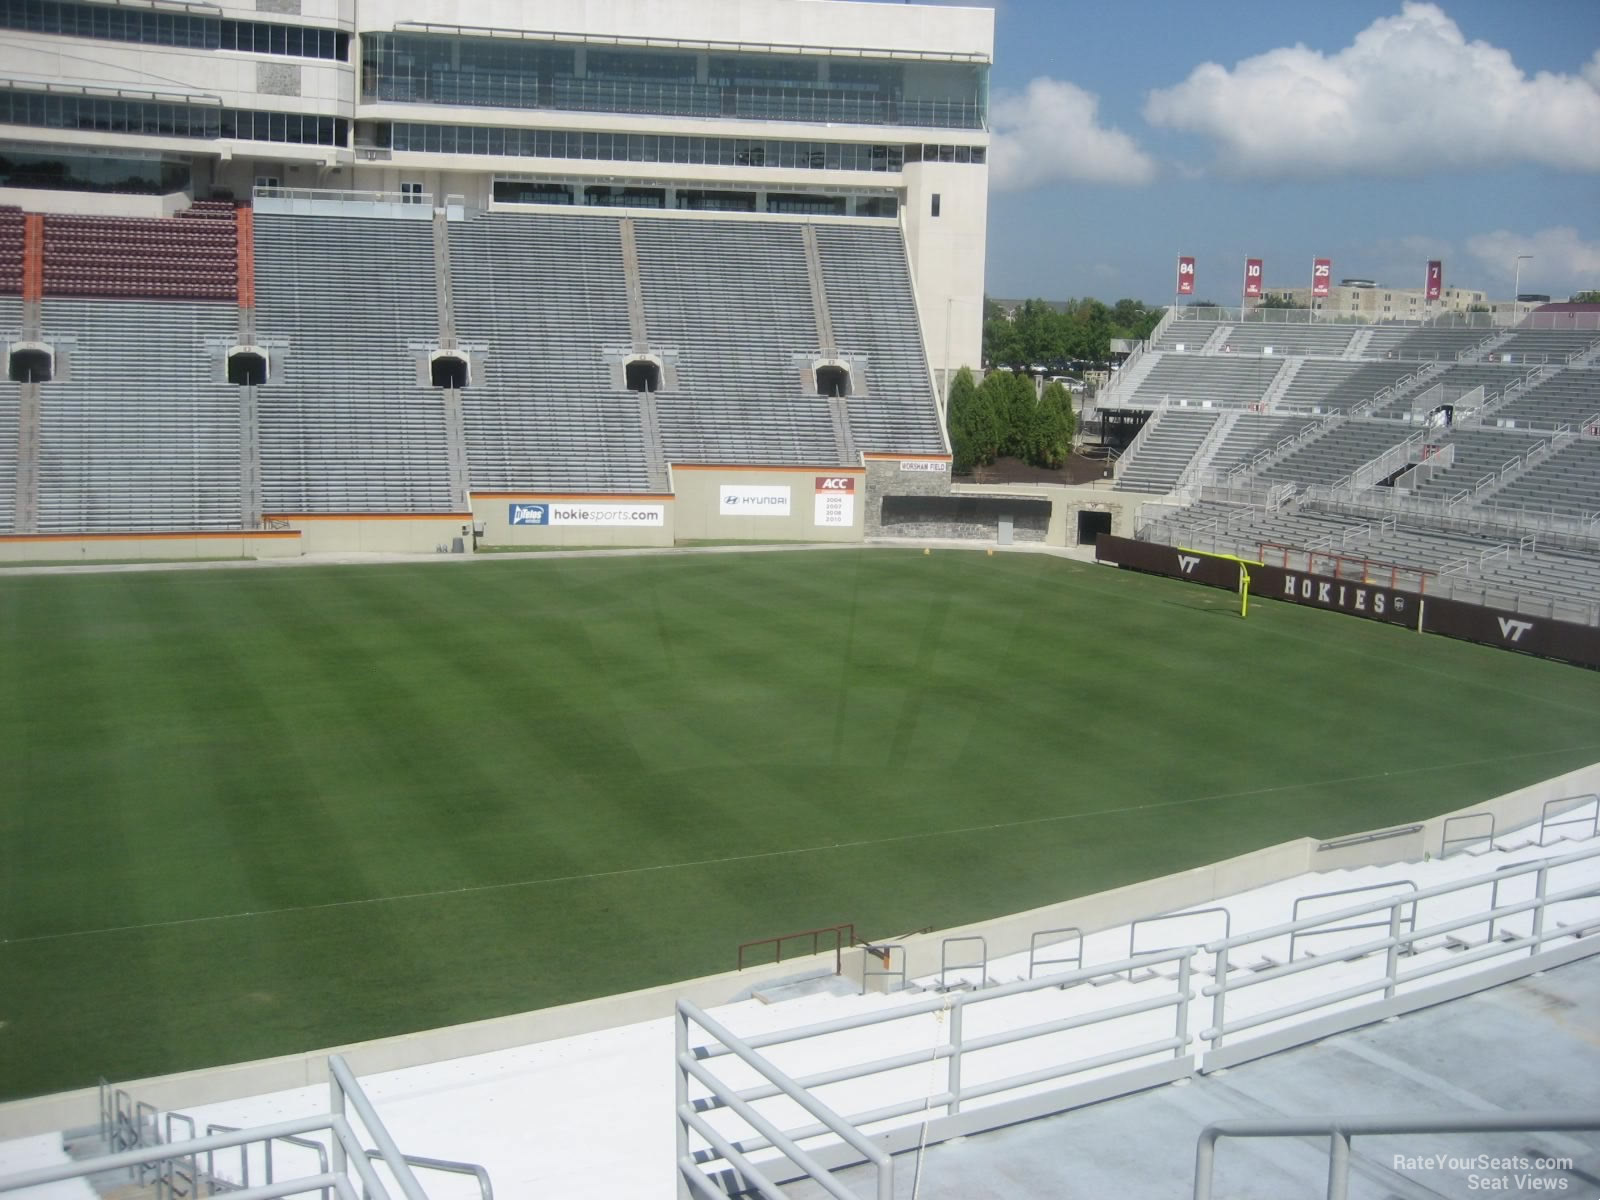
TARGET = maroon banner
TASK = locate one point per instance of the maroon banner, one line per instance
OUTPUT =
(1186, 276)
(1324, 591)
(1252, 277)
(1435, 278)
(1541, 636)
(1321, 276)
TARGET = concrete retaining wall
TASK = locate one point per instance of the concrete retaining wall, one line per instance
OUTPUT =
(178, 547)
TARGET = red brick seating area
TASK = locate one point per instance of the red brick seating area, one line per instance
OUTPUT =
(190, 256)
(10, 250)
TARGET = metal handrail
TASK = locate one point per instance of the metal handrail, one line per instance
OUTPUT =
(946, 966)
(314, 1146)
(1393, 944)
(1034, 961)
(951, 1049)
(485, 1185)
(1339, 1131)
(1442, 889)
(1446, 841)
(840, 941)
(1133, 929)
(688, 1117)
(1593, 820)
(1368, 887)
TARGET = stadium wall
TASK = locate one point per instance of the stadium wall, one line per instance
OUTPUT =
(1540, 636)
(1069, 502)
(373, 533)
(175, 547)
(788, 504)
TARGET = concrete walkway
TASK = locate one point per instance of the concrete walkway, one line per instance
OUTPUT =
(1533, 1044)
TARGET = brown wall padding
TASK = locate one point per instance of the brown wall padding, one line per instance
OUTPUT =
(1540, 636)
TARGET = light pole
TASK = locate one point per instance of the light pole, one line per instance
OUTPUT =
(1516, 285)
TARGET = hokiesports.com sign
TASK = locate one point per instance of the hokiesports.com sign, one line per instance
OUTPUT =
(564, 512)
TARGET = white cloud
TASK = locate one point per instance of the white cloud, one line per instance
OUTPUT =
(1409, 95)
(1051, 134)
(1562, 262)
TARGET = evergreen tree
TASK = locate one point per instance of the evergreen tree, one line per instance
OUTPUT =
(974, 437)
(1054, 423)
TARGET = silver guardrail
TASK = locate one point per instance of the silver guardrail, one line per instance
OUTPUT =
(1339, 1131)
(1113, 1064)
(350, 1154)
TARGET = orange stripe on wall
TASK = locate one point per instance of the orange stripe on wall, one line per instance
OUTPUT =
(146, 537)
(746, 467)
(366, 516)
(908, 457)
(591, 496)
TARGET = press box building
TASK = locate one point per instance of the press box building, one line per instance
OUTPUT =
(824, 107)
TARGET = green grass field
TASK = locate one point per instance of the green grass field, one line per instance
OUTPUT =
(247, 812)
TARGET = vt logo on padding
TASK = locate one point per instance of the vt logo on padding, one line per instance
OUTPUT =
(1512, 631)
(1188, 562)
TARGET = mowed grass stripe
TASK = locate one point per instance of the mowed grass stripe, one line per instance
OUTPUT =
(878, 737)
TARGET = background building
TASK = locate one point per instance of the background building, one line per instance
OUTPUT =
(770, 106)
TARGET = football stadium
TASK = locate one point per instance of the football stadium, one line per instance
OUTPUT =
(505, 693)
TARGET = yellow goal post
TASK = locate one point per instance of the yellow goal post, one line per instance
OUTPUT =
(1244, 572)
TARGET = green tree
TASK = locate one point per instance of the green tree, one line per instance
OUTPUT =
(974, 435)
(1587, 298)
(1278, 300)
(1054, 423)
(1009, 396)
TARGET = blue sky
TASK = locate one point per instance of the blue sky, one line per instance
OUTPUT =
(1377, 134)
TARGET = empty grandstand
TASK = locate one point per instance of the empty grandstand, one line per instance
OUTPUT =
(1433, 450)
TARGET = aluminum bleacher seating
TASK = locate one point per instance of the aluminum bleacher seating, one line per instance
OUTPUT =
(1410, 342)
(1455, 381)
(1218, 379)
(10, 318)
(733, 298)
(1566, 482)
(1545, 345)
(343, 425)
(1190, 335)
(1165, 450)
(1322, 340)
(1327, 458)
(547, 295)
(1253, 433)
(874, 313)
(1565, 397)
(1478, 453)
(143, 436)
(1326, 385)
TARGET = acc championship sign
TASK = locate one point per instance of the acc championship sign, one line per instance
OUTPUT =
(836, 501)
(754, 500)
(551, 512)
